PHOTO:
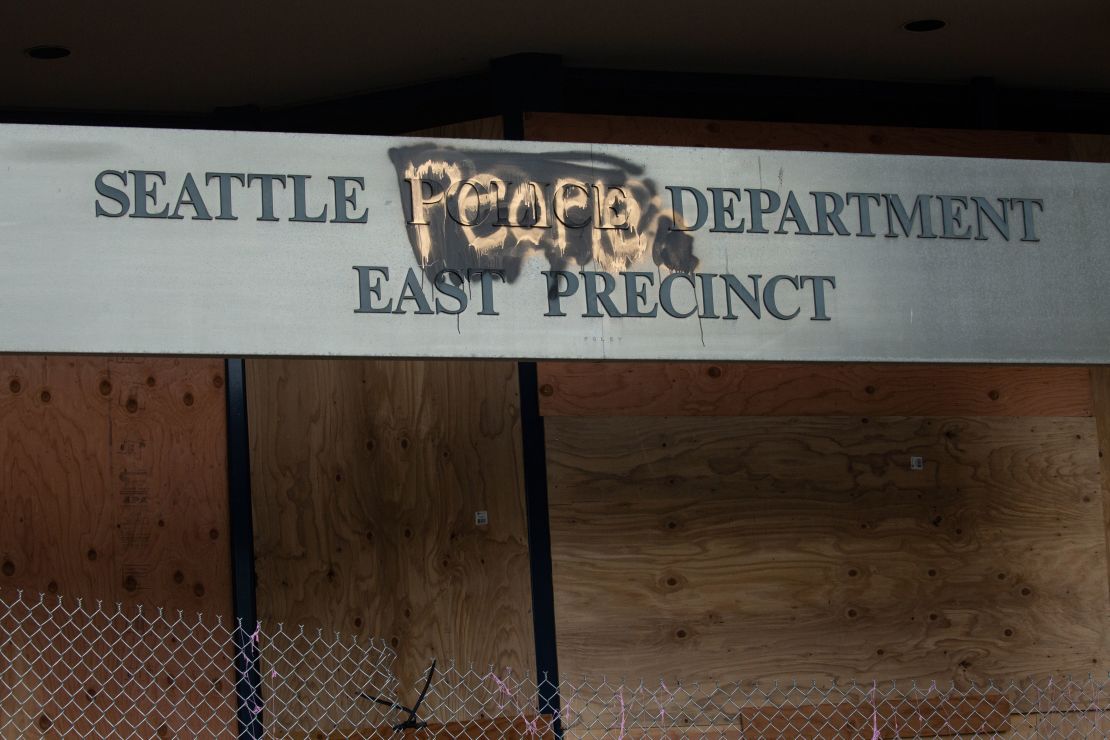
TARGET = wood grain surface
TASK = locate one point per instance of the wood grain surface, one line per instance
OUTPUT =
(366, 478)
(977, 716)
(492, 729)
(113, 488)
(732, 731)
(801, 389)
(1100, 393)
(113, 480)
(982, 716)
(480, 128)
(605, 129)
(747, 548)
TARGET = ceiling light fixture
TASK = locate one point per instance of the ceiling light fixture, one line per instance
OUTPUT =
(47, 52)
(925, 25)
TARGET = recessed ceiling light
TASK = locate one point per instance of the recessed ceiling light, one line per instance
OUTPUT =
(924, 25)
(47, 52)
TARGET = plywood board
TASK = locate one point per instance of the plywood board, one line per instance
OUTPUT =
(976, 716)
(367, 477)
(716, 731)
(601, 129)
(480, 128)
(938, 717)
(1100, 392)
(58, 512)
(113, 489)
(528, 728)
(749, 548)
(792, 389)
(113, 481)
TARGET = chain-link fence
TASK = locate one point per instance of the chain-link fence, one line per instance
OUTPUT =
(73, 669)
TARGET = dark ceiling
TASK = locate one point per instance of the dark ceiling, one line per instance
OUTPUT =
(197, 56)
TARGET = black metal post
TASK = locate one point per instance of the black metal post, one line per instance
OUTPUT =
(539, 543)
(248, 678)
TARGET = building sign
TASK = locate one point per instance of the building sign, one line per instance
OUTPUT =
(225, 243)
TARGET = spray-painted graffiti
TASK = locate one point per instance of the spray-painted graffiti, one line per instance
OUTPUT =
(481, 209)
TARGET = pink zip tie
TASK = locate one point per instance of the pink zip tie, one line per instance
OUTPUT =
(502, 688)
(662, 709)
(874, 714)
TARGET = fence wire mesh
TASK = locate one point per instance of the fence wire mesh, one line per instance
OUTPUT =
(75, 669)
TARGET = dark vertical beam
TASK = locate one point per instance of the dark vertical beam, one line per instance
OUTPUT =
(526, 82)
(539, 542)
(248, 678)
